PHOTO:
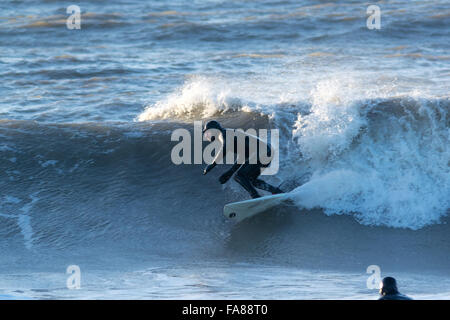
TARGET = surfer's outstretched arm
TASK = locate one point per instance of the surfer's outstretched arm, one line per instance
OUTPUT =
(219, 156)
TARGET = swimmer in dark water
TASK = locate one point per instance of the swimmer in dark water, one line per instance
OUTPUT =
(248, 165)
(389, 291)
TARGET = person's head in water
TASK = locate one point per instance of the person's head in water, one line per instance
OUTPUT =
(388, 286)
(213, 124)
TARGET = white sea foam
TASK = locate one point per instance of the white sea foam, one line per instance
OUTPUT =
(386, 161)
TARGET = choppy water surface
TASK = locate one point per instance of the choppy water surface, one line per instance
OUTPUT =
(86, 176)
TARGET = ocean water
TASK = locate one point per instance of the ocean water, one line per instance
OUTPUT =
(86, 117)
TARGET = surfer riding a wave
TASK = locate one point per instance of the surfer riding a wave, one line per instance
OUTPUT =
(248, 165)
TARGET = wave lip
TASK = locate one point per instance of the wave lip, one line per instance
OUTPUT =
(198, 98)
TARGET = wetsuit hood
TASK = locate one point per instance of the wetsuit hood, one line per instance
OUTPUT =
(389, 286)
(213, 124)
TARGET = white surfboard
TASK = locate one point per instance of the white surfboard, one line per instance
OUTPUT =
(238, 211)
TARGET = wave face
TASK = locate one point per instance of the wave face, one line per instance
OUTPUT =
(67, 186)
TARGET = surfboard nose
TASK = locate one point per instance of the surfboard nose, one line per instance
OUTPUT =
(241, 210)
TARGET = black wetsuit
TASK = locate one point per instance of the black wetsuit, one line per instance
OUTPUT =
(246, 173)
(395, 296)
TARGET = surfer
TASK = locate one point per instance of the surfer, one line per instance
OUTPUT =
(389, 291)
(247, 171)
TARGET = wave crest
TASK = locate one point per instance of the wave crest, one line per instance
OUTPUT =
(198, 98)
